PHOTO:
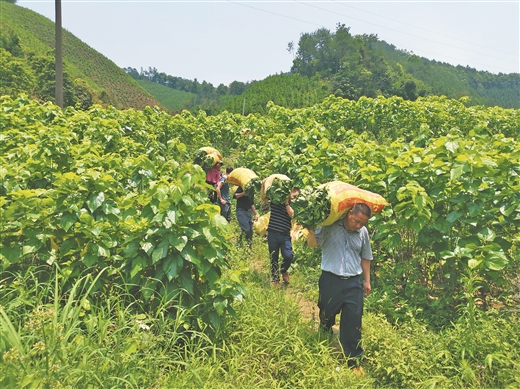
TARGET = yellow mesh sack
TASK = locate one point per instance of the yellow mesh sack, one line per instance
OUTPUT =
(298, 233)
(260, 225)
(211, 159)
(266, 184)
(245, 178)
(211, 150)
(344, 196)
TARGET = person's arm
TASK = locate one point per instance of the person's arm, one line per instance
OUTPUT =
(312, 242)
(262, 192)
(365, 265)
(219, 185)
(254, 211)
(237, 195)
(289, 209)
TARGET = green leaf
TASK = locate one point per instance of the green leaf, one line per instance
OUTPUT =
(190, 255)
(188, 201)
(508, 210)
(171, 215)
(67, 221)
(172, 266)
(220, 305)
(131, 250)
(160, 251)
(66, 246)
(138, 264)
(95, 201)
(487, 235)
(453, 216)
(147, 247)
(185, 281)
(451, 146)
(100, 250)
(89, 259)
(179, 242)
(214, 319)
(12, 254)
(495, 260)
(110, 209)
(456, 172)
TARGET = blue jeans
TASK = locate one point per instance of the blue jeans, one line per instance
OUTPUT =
(225, 210)
(246, 224)
(277, 242)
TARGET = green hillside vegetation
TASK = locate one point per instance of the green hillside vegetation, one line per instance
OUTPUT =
(173, 100)
(362, 65)
(287, 90)
(27, 39)
(348, 66)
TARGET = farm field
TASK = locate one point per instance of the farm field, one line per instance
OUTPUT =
(117, 272)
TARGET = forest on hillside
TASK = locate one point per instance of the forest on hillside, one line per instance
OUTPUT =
(27, 52)
(348, 66)
(325, 63)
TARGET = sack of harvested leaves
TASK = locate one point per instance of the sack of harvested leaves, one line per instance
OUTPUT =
(327, 203)
(246, 179)
(277, 188)
(207, 157)
(311, 206)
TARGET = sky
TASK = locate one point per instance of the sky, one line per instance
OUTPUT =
(221, 41)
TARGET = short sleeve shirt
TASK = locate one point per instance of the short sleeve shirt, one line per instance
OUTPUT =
(243, 202)
(224, 189)
(342, 250)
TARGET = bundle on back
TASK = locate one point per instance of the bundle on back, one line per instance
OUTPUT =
(277, 188)
(327, 203)
(207, 157)
(246, 179)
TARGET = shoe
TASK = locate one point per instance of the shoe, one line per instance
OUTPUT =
(285, 277)
(359, 371)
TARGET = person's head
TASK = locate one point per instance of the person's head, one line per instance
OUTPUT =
(294, 192)
(229, 169)
(357, 217)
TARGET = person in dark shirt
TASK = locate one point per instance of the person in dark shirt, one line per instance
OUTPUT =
(245, 206)
(279, 239)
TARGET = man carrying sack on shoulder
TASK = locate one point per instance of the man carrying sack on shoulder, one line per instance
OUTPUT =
(345, 277)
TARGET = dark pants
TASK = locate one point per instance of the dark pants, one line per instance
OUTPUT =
(225, 210)
(246, 224)
(346, 296)
(279, 242)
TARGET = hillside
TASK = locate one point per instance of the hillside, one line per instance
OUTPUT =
(31, 36)
(174, 101)
(363, 65)
(350, 66)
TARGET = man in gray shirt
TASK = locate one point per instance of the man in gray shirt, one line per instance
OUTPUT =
(346, 255)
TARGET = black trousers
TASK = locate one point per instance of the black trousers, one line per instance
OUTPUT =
(343, 296)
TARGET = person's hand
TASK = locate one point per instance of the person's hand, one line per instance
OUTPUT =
(256, 217)
(366, 288)
(222, 201)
